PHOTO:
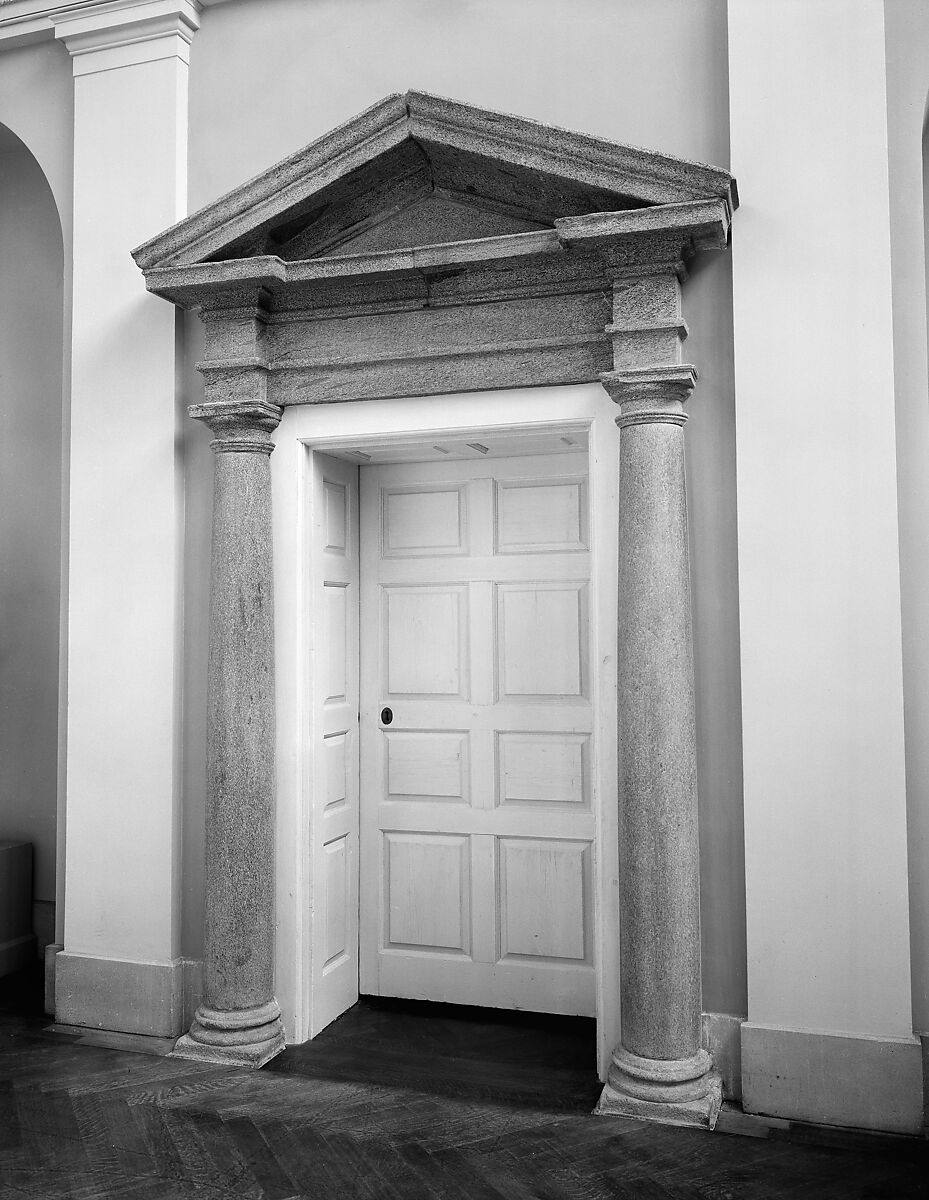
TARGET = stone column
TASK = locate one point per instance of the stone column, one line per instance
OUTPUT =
(659, 1072)
(239, 1021)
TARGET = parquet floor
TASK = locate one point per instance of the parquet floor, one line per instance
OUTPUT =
(390, 1103)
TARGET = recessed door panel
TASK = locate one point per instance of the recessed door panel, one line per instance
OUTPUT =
(424, 632)
(542, 907)
(543, 768)
(476, 725)
(423, 521)
(336, 601)
(426, 765)
(428, 889)
(541, 644)
(536, 515)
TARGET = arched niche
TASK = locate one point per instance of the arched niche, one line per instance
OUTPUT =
(31, 497)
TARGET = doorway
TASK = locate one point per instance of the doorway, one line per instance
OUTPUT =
(484, 871)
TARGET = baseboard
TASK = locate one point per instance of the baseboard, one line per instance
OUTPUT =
(125, 996)
(51, 950)
(833, 1079)
(722, 1038)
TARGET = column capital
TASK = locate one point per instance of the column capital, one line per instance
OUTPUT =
(651, 395)
(240, 426)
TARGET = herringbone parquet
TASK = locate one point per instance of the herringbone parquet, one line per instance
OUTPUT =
(389, 1104)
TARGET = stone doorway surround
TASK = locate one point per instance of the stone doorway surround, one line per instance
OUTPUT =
(428, 247)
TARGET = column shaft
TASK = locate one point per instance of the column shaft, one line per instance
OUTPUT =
(239, 1020)
(659, 1071)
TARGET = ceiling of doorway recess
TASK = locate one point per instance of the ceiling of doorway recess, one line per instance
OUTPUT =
(461, 447)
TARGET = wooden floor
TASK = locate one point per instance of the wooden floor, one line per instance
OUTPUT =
(392, 1102)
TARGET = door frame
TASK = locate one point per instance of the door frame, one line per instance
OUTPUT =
(308, 428)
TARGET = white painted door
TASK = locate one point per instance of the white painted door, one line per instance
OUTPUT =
(476, 808)
(333, 588)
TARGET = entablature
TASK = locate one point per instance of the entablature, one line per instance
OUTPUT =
(577, 270)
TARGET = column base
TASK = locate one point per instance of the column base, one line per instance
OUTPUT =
(241, 1038)
(685, 1091)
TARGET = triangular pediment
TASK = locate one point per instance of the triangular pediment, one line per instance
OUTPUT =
(429, 219)
(417, 170)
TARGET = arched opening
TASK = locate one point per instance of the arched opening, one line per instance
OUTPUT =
(31, 341)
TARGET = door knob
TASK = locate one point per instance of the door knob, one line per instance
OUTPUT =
(386, 716)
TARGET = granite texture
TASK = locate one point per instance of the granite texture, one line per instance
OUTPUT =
(238, 1021)
(531, 169)
(660, 1061)
(363, 295)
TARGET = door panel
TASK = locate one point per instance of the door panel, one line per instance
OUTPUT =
(333, 586)
(476, 807)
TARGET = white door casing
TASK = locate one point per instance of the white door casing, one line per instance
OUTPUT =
(477, 823)
(385, 430)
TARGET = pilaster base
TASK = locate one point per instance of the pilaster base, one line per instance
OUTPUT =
(677, 1091)
(243, 1038)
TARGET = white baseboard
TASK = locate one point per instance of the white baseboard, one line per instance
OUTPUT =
(832, 1078)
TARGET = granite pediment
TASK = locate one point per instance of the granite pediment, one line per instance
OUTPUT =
(417, 170)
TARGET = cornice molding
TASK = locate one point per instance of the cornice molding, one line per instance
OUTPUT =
(642, 236)
(124, 33)
(599, 167)
(27, 21)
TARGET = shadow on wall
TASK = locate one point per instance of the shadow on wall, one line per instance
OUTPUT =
(31, 333)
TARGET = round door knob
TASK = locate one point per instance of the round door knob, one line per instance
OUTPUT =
(386, 716)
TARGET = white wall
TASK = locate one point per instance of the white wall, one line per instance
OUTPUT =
(122, 886)
(907, 37)
(822, 682)
(37, 106)
(652, 75)
(31, 308)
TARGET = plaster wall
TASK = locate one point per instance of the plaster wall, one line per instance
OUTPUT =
(122, 885)
(822, 678)
(907, 44)
(31, 287)
(37, 106)
(652, 75)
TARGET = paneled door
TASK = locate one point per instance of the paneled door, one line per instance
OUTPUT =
(476, 724)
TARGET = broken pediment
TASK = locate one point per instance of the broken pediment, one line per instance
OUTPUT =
(416, 170)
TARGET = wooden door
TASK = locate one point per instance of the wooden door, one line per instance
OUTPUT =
(334, 734)
(476, 806)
